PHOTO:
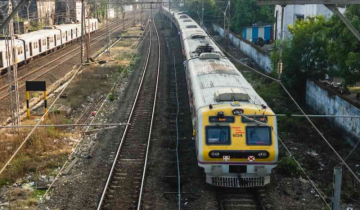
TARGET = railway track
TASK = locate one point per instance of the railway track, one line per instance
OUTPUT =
(124, 186)
(48, 67)
(245, 199)
(39, 58)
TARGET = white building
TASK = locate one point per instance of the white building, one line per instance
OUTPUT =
(295, 12)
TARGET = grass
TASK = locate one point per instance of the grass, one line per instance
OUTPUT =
(42, 153)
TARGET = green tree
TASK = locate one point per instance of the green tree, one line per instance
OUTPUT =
(305, 53)
(247, 12)
(344, 47)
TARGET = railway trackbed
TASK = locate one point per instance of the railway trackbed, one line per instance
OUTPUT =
(124, 186)
(245, 199)
(49, 66)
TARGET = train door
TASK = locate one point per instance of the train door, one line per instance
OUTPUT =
(30, 46)
(40, 45)
(55, 41)
(76, 32)
(1, 60)
(71, 34)
(66, 34)
(48, 42)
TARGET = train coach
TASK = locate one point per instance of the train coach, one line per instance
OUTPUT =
(30, 45)
(235, 130)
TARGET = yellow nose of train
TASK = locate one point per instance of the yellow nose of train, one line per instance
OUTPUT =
(237, 141)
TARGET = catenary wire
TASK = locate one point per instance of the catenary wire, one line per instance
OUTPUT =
(301, 110)
(177, 135)
(292, 156)
(73, 152)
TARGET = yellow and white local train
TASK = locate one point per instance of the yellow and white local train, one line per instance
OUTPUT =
(30, 45)
(232, 148)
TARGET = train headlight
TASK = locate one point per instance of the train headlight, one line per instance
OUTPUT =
(214, 154)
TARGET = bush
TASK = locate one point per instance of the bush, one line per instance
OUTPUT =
(288, 166)
(111, 97)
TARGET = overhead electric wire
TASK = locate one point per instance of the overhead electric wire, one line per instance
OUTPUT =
(41, 119)
(116, 83)
(293, 157)
(291, 97)
(177, 136)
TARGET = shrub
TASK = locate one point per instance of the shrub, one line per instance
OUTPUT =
(288, 166)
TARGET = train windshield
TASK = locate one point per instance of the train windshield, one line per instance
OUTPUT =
(257, 135)
(218, 135)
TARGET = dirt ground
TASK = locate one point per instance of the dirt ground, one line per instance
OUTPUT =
(77, 105)
(286, 191)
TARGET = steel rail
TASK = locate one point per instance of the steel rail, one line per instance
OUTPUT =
(152, 119)
(126, 127)
(99, 38)
(72, 43)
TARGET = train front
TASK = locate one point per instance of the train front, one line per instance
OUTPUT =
(233, 149)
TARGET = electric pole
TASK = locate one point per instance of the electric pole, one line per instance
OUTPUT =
(280, 65)
(141, 14)
(11, 49)
(82, 30)
(202, 14)
(88, 39)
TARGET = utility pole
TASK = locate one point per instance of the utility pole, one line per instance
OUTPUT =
(82, 30)
(226, 31)
(280, 65)
(12, 73)
(108, 27)
(88, 40)
(170, 14)
(202, 14)
(337, 188)
(141, 15)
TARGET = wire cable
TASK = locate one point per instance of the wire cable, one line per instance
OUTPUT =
(76, 146)
(177, 135)
(301, 110)
(292, 156)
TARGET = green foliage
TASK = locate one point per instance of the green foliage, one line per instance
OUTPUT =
(35, 25)
(305, 54)
(247, 12)
(111, 97)
(344, 48)
(288, 166)
(243, 12)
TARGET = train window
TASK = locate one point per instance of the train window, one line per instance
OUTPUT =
(258, 135)
(58, 37)
(26, 48)
(44, 42)
(63, 35)
(218, 135)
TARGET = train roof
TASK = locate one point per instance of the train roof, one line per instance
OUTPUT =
(47, 32)
(31, 36)
(212, 76)
(3, 44)
(66, 26)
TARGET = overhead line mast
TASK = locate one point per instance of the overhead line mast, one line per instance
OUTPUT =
(11, 52)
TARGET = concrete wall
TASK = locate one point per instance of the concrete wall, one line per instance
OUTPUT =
(325, 102)
(261, 58)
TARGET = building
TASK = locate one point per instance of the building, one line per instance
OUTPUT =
(68, 11)
(252, 33)
(297, 12)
